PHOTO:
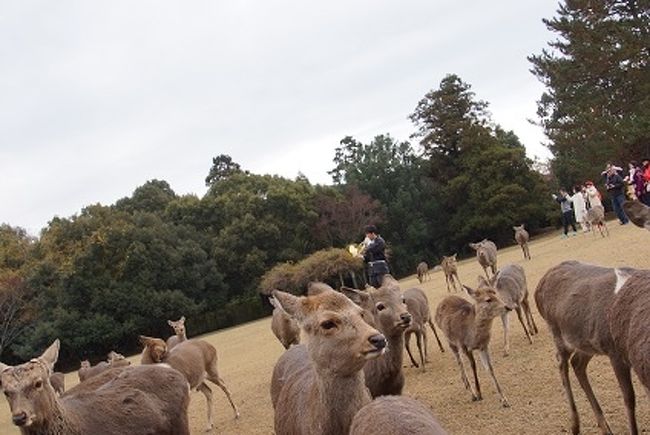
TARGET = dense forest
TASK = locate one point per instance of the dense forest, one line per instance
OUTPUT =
(101, 277)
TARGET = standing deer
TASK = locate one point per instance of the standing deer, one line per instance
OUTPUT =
(386, 307)
(284, 327)
(594, 310)
(450, 268)
(418, 306)
(318, 388)
(179, 332)
(486, 254)
(596, 216)
(522, 237)
(467, 327)
(125, 400)
(510, 283)
(423, 272)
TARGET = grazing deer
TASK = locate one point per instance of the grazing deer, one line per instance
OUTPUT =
(126, 400)
(450, 268)
(638, 213)
(284, 327)
(510, 283)
(423, 272)
(467, 327)
(594, 310)
(395, 415)
(486, 254)
(417, 305)
(196, 360)
(384, 375)
(596, 216)
(179, 332)
(522, 237)
(318, 388)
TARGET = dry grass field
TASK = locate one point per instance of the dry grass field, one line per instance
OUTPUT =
(528, 376)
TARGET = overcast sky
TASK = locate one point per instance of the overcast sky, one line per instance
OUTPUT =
(98, 97)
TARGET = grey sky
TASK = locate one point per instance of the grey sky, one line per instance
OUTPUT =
(98, 97)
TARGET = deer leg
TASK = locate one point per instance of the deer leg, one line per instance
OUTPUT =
(463, 375)
(532, 328)
(624, 378)
(472, 363)
(207, 392)
(579, 361)
(487, 363)
(447, 280)
(506, 329)
(563, 355)
(418, 338)
(407, 345)
(521, 320)
(214, 377)
(459, 283)
(426, 345)
(435, 333)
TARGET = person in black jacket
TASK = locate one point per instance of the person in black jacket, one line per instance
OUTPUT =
(615, 186)
(375, 256)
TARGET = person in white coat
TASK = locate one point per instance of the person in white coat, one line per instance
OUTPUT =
(580, 207)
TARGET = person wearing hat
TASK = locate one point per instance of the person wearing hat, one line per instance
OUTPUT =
(375, 256)
(615, 186)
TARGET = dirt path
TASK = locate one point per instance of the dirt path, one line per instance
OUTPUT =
(528, 376)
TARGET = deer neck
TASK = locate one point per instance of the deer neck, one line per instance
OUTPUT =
(58, 422)
(182, 337)
(395, 350)
(481, 331)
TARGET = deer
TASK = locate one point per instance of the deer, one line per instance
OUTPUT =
(423, 272)
(638, 213)
(486, 254)
(114, 360)
(468, 326)
(510, 283)
(196, 360)
(522, 237)
(450, 268)
(179, 332)
(417, 305)
(593, 310)
(387, 309)
(284, 327)
(132, 400)
(596, 216)
(318, 388)
(395, 415)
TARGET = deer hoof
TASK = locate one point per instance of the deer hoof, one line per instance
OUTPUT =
(505, 403)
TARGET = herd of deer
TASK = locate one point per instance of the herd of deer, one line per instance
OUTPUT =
(348, 378)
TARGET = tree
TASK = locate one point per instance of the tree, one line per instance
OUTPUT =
(16, 308)
(222, 167)
(597, 104)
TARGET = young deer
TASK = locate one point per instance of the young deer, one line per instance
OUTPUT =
(284, 327)
(318, 388)
(467, 327)
(510, 283)
(384, 375)
(423, 272)
(450, 268)
(130, 400)
(395, 415)
(196, 360)
(594, 310)
(486, 254)
(522, 237)
(417, 305)
(179, 332)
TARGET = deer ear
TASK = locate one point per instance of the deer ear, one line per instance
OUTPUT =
(315, 288)
(144, 340)
(470, 291)
(273, 302)
(454, 256)
(292, 305)
(182, 319)
(170, 323)
(51, 354)
(474, 246)
(3, 367)
(360, 298)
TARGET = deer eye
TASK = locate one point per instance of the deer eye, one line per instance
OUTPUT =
(328, 324)
(38, 384)
(380, 307)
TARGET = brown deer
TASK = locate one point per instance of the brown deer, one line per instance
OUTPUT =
(395, 415)
(386, 307)
(467, 327)
(638, 213)
(510, 283)
(179, 332)
(114, 360)
(594, 310)
(596, 216)
(196, 360)
(131, 400)
(417, 305)
(423, 272)
(284, 327)
(57, 379)
(450, 268)
(317, 388)
(486, 254)
(522, 237)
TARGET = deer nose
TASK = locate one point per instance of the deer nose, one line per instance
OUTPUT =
(19, 419)
(405, 318)
(378, 340)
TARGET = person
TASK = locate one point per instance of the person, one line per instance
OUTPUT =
(645, 168)
(594, 198)
(375, 256)
(615, 185)
(634, 180)
(580, 207)
(567, 213)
